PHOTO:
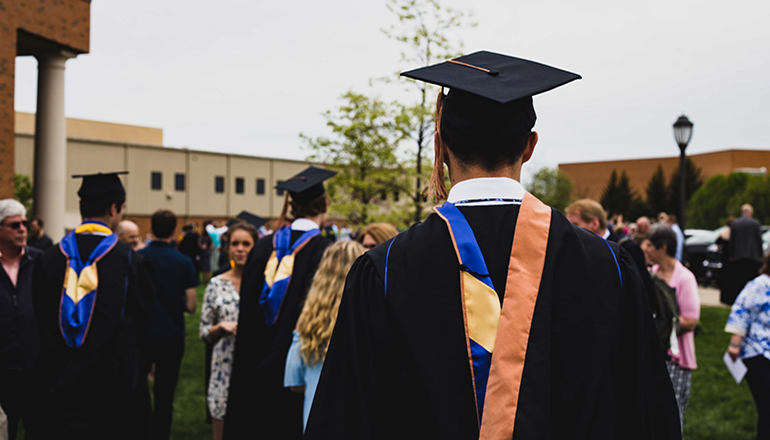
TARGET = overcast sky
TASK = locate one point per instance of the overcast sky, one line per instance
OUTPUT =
(247, 77)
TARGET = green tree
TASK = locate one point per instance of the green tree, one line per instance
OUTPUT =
(720, 197)
(422, 29)
(363, 151)
(552, 187)
(657, 191)
(693, 181)
(630, 204)
(619, 198)
(757, 193)
(22, 190)
(610, 194)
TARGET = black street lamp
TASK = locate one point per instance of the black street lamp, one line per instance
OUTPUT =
(682, 134)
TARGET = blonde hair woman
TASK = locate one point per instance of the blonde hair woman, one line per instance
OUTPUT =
(315, 324)
(375, 233)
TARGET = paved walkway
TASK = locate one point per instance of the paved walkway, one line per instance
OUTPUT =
(709, 296)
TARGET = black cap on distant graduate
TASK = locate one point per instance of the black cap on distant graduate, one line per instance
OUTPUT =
(247, 217)
(307, 185)
(101, 186)
(490, 94)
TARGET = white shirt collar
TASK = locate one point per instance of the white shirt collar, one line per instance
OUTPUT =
(606, 234)
(303, 224)
(485, 191)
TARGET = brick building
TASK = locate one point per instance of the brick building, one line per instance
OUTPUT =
(52, 31)
(590, 178)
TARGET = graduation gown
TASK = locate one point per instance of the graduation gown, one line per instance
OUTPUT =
(94, 391)
(398, 362)
(258, 405)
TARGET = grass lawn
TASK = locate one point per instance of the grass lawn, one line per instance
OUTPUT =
(190, 401)
(719, 409)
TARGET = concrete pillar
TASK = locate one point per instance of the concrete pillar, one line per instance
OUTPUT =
(51, 143)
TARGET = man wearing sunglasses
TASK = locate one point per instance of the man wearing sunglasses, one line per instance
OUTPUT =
(19, 338)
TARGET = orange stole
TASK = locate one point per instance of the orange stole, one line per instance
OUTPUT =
(525, 271)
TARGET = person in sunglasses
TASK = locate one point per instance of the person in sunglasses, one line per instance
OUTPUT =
(93, 297)
(19, 338)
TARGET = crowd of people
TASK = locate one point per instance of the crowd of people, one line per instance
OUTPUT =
(496, 317)
(143, 327)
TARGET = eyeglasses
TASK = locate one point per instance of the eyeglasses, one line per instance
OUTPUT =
(17, 225)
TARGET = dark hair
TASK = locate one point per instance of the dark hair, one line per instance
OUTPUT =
(311, 208)
(766, 266)
(661, 234)
(39, 221)
(497, 151)
(243, 227)
(163, 223)
(100, 208)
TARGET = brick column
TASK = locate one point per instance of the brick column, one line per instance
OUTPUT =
(7, 67)
(51, 143)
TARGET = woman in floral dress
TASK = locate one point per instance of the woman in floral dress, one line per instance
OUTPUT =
(219, 321)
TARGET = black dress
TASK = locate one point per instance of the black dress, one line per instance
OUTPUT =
(398, 365)
(258, 405)
(94, 391)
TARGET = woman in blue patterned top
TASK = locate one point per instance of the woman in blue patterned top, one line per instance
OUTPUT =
(749, 322)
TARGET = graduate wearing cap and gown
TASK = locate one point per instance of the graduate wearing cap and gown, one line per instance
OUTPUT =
(495, 318)
(275, 282)
(92, 296)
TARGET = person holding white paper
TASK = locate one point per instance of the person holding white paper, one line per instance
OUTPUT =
(749, 322)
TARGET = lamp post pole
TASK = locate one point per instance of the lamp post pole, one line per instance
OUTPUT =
(682, 134)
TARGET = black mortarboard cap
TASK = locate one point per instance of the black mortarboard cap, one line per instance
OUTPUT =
(247, 217)
(101, 186)
(307, 185)
(490, 93)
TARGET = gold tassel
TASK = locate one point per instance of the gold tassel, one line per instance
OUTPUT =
(282, 219)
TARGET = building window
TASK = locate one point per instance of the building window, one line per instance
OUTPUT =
(156, 180)
(239, 185)
(260, 187)
(396, 196)
(278, 191)
(219, 184)
(179, 182)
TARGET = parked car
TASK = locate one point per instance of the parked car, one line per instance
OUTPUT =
(696, 253)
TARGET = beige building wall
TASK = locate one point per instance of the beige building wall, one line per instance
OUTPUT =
(250, 170)
(204, 200)
(199, 200)
(24, 159)
(283, 170)
(142, 162)
(83, 158)
(97, 130)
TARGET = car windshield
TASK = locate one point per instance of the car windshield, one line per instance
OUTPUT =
(704, 237)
